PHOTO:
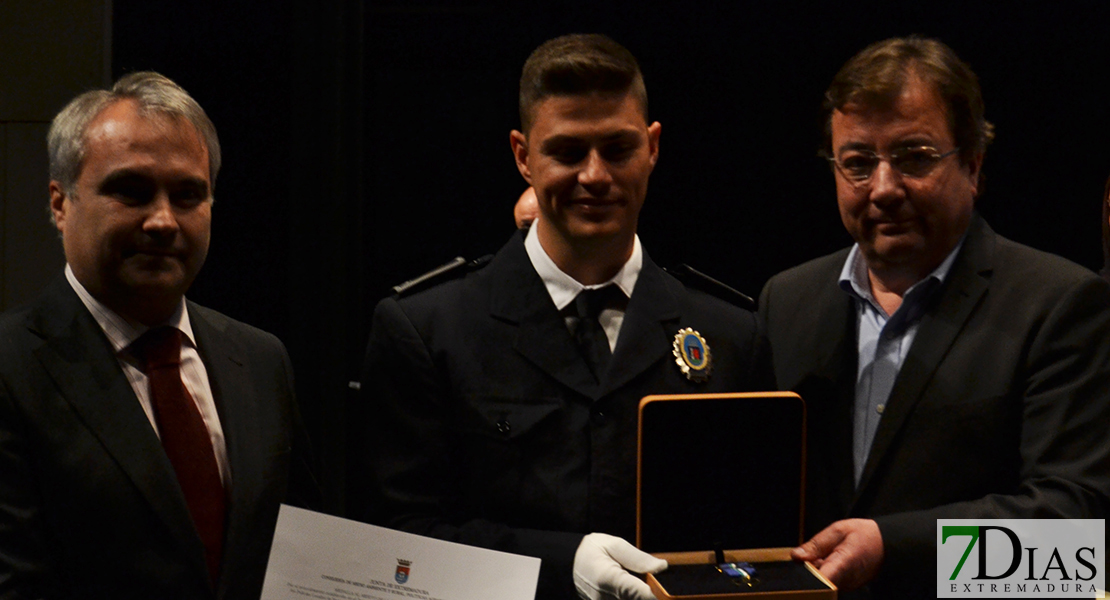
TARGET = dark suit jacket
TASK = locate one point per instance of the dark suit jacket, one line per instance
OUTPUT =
(486, 427)
(1000, 409)
(89, 504)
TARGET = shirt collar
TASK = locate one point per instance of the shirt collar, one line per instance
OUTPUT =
(855, 282)
(562, 287)
(122, 332)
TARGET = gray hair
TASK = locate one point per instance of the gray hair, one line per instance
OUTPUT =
(154, 93)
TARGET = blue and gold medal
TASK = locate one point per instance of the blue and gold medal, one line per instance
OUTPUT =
(691, 354)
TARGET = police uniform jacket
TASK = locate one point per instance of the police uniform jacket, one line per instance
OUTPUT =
(486, 427)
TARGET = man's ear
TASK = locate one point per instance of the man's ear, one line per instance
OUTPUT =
(58, 206)
(975, 173)
(519, 143)
(653, 141)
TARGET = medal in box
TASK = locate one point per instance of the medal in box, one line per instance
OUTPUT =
(720, 496)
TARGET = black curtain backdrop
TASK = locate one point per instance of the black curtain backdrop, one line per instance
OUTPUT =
(367, 142)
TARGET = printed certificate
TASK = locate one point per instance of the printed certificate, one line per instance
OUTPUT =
(328, 558)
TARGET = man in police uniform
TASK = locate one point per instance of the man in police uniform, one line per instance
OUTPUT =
(502, 405)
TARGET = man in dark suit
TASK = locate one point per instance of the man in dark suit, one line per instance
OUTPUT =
(948, 372)
(502, 405)
(145, 442)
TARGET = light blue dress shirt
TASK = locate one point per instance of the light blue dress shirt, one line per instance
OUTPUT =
(883, 343)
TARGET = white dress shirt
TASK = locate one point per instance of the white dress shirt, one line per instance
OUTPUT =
(122, 332)
(563, 288)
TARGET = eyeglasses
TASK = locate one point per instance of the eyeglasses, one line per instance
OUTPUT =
(915, 161)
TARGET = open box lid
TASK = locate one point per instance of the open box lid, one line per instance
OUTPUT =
(720, 471)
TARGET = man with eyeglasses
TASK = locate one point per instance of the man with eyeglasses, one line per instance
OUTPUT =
(948, 372)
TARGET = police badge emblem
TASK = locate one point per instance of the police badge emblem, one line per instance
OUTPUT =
(402, 574)
(691, 354)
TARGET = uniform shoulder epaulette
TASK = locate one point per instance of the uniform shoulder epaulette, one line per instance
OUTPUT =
(694, 278)
(445, 272)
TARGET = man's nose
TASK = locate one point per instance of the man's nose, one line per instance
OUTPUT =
(161, 218)
(886, 183)
(595, 173)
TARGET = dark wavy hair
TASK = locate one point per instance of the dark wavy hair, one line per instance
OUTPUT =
(877, 75)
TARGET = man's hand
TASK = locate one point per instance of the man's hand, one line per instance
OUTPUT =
(848, 553)
(600, 569)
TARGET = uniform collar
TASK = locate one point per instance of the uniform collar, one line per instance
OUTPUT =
(562, 287)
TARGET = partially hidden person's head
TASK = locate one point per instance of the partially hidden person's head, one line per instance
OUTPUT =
(526, 209)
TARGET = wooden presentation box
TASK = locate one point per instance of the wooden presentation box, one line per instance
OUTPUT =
(722, 475)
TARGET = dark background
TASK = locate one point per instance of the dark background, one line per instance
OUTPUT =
(367, 142)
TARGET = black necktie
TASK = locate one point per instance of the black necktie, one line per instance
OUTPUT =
(588, 333)
(185, 439)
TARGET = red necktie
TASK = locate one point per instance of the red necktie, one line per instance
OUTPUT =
(185, 439)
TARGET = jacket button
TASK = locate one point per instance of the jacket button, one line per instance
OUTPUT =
(503, 426)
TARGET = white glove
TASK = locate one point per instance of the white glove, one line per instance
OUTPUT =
(600, 569)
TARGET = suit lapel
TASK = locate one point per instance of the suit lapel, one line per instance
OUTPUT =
(833, 341)
(834, 334)
(517, 295)
(644, 336)
(235, 400)
(82, 363)
(939, 329)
